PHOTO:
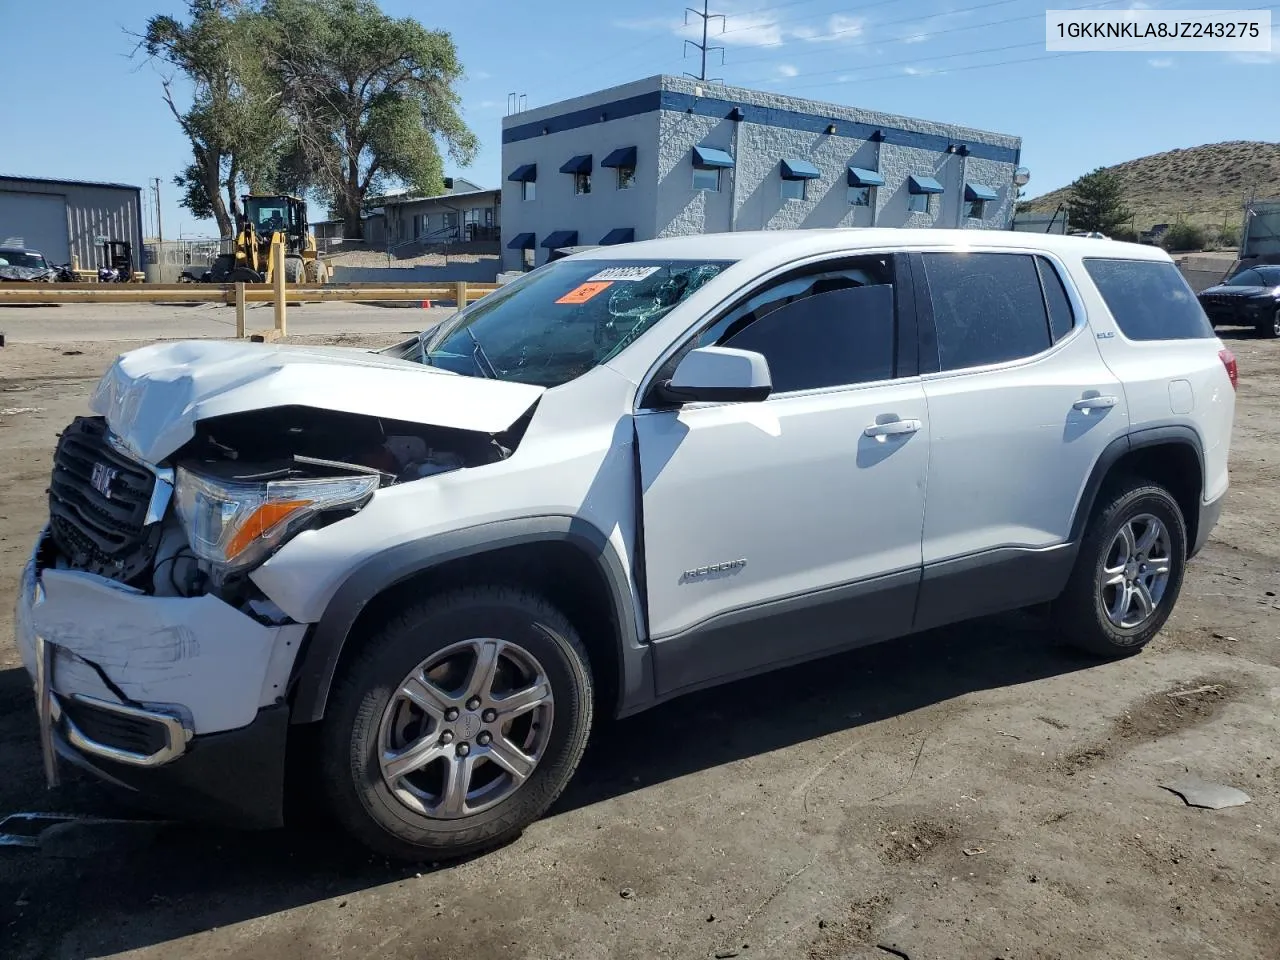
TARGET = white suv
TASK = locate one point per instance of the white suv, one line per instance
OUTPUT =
(628, 474)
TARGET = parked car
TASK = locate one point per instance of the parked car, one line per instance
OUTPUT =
(626, 475)
(23, 265)
(1250, 298)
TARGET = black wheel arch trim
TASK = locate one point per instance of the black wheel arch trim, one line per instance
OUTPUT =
(1170, 433)
(314, 673)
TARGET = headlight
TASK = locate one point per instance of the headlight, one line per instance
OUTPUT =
(235, 525)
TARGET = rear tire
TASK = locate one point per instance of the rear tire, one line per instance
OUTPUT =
(293, 269)
(1270, 329)
(421, 760)
(1118, 598)
(244, 275)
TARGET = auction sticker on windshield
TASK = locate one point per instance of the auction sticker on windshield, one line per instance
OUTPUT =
(624, 273)
(583, 292)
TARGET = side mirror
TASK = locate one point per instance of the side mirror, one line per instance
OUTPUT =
(717, 374)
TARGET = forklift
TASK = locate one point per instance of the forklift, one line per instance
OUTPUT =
(117, 255)
(268, 221)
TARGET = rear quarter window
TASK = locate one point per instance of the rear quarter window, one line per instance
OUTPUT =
(1149, 299)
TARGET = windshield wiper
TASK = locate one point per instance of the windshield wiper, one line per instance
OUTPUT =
(480, 357)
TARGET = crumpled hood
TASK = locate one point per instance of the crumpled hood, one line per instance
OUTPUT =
(153, 397)
(10, 272)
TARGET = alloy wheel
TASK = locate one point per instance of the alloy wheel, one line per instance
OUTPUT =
(1135, 571)
(466, 728)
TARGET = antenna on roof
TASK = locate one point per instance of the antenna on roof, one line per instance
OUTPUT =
(707, 16)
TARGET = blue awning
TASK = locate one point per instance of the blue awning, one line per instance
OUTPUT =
(710, 157)
(580, 164)
(800, 170)
(522, 241)
(923, 185)
(858, 177)
(622, 157)
(560, 238)
(977, 191)
(524, 172)
(618, 235)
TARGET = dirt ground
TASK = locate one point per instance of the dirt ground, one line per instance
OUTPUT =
(975, 792)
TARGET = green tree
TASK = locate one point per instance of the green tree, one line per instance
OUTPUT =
(235, 121)
(370, 99)
(1096, 202)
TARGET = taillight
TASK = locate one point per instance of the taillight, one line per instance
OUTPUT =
(1233, 372)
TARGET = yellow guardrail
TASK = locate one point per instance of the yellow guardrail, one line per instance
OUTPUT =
(240, 294)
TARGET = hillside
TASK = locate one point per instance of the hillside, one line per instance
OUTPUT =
(1205, 185)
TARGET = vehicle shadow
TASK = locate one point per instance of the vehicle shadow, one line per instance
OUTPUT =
(112, 895)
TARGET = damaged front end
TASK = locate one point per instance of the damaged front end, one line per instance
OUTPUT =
(159, 664)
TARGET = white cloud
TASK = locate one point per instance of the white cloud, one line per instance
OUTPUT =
(840, 28)
(787, 70)
(482, 75)
(912, 71)
(1161, 63)
(752, 30)
(487, 104)
(916, 38)
(742, 31)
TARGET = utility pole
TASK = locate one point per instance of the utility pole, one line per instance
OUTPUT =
(707, 16)
(159, 227)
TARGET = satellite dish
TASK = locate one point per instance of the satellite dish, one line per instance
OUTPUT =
(1021, 176)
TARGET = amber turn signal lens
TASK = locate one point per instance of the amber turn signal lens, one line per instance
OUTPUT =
(260, 521)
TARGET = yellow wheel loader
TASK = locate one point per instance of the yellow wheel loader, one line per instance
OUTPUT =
(268, 221)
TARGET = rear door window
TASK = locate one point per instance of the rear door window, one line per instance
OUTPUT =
(987, 308)
(1061, 318)
(1149, 299)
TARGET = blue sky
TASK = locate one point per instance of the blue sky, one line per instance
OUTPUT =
(77, 106)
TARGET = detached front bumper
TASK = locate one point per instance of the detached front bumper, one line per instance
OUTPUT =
(179, 699)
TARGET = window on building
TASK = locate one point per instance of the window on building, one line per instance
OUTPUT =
(528, 190)
(581, 183)
(987, 308)
(626, 177)
(826, 327)
(919, 202)
(793, 189)
(706, 178)
(860, 196)
(975, 209)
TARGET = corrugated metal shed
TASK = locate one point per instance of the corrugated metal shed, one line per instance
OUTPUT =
(62, 218)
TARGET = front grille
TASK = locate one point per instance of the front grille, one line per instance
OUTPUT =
(98, 500)
(135, 734)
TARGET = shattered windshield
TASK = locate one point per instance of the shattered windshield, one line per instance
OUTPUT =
(559, 321)
(22, 258)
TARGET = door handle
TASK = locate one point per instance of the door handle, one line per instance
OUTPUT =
(1100, 403)
(892, 428)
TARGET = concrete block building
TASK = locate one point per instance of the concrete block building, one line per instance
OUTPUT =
(667, 156)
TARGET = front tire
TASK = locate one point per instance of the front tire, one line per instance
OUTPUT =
(1128, 573)
(457, 724)
(1269, 328)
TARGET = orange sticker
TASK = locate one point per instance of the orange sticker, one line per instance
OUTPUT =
(584, 292)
